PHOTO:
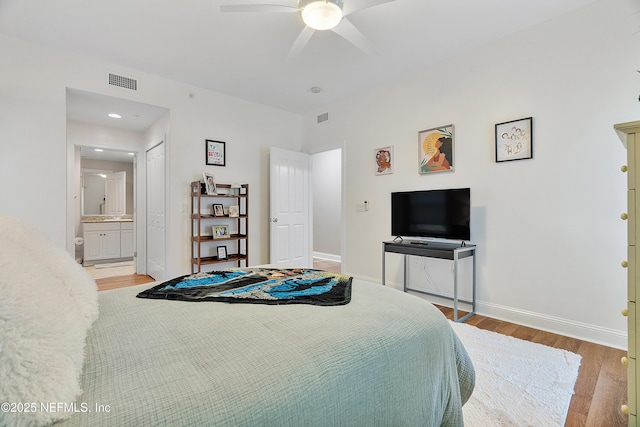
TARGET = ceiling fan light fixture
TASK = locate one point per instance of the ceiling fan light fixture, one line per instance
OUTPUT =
(322, 14)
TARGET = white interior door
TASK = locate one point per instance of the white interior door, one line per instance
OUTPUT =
(290, 229)
(116, 193)
(156, 212)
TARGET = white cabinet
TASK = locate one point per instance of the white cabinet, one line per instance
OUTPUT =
(107, 240)
(126, 240)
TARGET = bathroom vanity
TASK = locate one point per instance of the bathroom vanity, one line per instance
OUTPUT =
(107, 239)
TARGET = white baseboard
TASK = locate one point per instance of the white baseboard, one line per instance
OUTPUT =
(570, 328)
(557, 325)
(329, 257)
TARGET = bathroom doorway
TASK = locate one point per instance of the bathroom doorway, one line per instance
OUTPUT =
(109, 126)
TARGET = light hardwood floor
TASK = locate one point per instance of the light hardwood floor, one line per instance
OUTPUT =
(109, 283)
(601, 388)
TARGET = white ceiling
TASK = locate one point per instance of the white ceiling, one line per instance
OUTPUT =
(244, 54)
(93, 108)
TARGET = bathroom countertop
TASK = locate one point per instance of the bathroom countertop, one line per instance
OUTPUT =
(106, 218)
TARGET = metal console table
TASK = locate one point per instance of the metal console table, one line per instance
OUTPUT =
(441, 250)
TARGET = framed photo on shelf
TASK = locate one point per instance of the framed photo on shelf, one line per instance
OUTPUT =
(384, 160)
(220, 231)
(222, 252)
(218, 209)
(514, 140)
(210, 183)
(234, 211)
(436, 149)
(215, 152)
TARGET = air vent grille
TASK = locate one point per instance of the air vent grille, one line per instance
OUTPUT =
(324, 117)
(124, 82)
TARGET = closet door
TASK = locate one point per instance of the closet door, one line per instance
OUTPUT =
(156, 246)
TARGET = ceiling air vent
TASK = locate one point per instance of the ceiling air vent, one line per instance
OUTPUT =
(324, 117)
(121, 81)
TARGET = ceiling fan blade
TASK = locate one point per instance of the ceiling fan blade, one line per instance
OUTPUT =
(351, 6)
(350, 33)
(257, 8)
(301, 42)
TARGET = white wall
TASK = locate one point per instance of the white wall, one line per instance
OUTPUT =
(326, 187)
(34, 155)
(549, 235)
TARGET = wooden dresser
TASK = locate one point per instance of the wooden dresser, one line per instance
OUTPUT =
(629, 134)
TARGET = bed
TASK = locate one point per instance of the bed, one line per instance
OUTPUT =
(385, 358)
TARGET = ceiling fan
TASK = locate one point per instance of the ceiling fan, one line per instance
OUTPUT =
(319, 15)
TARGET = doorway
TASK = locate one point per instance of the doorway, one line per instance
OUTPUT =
(90, 124)
(106, 190)
(327, 211)
(295, 207)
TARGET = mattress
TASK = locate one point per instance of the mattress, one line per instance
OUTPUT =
(386, 358)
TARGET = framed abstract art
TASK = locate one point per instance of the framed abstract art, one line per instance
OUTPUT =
(436, 150)
(384, 160)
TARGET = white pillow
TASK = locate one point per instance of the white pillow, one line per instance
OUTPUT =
(47, 305)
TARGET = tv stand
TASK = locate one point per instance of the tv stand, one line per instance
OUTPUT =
(441, 250)
(426, 243)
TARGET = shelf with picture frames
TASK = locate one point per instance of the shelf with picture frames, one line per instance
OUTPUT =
(221, 218)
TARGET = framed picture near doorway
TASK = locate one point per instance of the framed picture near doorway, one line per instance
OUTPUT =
(215, 152)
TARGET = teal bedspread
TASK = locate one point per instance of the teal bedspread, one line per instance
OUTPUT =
(385, 359)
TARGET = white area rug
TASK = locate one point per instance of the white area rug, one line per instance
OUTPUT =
(101, 273)
(518, 383)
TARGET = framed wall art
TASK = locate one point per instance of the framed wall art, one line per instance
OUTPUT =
(215, 153)
(514, 140)
(384, 160)
(436, 149)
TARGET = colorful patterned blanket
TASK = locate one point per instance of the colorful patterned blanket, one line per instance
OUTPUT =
(257, 285)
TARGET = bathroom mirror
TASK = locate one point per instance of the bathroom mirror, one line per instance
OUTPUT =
(104, 193)
(106, 183)
(94, 189)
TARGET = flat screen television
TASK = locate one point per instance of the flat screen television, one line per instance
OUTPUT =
(443, 214)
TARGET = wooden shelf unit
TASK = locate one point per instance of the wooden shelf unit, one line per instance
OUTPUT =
(202, 244)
